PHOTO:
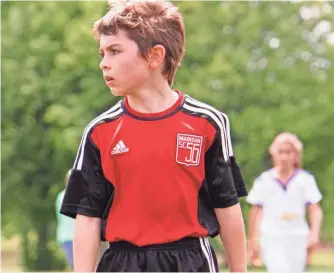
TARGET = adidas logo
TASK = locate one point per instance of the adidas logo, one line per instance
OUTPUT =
(120, 148)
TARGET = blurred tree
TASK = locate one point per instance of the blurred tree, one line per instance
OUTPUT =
(52, 87)
(267, 65)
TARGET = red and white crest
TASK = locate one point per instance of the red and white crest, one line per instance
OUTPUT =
(188, 149)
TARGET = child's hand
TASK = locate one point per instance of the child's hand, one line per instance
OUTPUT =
(253, 250)
(313, 240)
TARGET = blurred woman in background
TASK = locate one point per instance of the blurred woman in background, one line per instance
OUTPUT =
(280, 198)
(65, 227)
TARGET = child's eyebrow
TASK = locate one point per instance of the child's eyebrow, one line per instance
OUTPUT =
(101, 49)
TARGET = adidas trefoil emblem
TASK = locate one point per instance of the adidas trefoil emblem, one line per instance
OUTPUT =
(120, 148)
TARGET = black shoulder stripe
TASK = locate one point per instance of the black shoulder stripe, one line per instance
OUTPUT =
(219, 122)
(112, 113)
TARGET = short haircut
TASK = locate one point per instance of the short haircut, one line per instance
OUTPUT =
(148, 23)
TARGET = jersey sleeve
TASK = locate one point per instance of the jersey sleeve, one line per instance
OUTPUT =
(256, 194)
(88, 192)
(313, 194)
(224, 179)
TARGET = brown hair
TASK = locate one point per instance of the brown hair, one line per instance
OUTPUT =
(147, 23)
(289, 138)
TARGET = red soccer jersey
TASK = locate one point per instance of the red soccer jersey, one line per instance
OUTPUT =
(155, 178)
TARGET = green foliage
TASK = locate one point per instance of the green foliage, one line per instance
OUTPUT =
(50, 80)
(259, 62)
(233, 62)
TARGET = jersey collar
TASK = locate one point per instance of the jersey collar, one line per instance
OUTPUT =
(154, 116)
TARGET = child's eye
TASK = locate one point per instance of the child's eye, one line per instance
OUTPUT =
(101, 55)
(114, 51)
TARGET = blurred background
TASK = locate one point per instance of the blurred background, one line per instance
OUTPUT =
(268, 65)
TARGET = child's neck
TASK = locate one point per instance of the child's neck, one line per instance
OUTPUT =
(284, 174)
(154, 99)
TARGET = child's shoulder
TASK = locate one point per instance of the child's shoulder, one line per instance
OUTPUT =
(264, 176)
(305, 174)
(202, 109)
(192, 102)
(111, 114)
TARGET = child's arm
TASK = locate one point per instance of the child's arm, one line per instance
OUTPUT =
(232, 233)
(86, 247)
(86, 199)
(254, 219)
(226, 185)
(313, 198)
(315, 216)
(253, 222)
(257, 198)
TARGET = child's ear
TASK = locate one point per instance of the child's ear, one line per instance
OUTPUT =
(156, 56)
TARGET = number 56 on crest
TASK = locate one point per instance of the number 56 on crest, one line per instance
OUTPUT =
(188, 149)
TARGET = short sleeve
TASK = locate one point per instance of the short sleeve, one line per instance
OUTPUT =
(257, 193)
(313, 194)
(224, 179)
(88, 192)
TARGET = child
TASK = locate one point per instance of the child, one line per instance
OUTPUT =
(158, 167)
(65, 227)
(280, 197)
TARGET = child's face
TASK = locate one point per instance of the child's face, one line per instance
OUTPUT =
(286, 155)
(124, 70)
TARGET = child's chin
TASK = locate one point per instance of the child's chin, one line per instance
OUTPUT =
(117, 93)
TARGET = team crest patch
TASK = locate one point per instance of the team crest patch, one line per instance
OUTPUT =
(188, 149)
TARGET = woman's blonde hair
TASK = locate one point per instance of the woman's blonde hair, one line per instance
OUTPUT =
(292, 139)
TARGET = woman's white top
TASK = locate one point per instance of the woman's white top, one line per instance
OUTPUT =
(284, 206)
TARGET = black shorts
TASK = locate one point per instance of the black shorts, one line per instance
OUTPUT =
(185, 255)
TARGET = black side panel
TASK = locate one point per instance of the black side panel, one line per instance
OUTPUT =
(206, 214)
(105, 217)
